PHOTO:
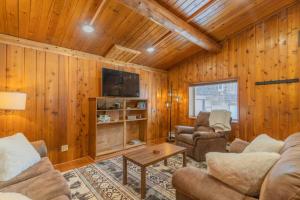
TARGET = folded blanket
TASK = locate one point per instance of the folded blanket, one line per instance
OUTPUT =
(220, 120)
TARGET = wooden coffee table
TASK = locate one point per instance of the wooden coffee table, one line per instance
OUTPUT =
(146, 156)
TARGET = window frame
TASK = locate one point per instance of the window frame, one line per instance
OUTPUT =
(213, 83)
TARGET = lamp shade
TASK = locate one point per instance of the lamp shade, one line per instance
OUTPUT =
(12, 101)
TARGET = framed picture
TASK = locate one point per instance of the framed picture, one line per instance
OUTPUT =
(141, 105)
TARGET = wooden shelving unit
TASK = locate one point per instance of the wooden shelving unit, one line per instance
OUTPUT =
(128, 123)
(113, 122)
(142, 119)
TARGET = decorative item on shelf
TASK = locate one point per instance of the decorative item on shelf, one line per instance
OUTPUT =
(141, 105)
(131, 117)
(139, 116)
(117, 105)
(134, 142)
(101, 105)
(172, 95)
(12, 101)
(104, 118)
(114, 115)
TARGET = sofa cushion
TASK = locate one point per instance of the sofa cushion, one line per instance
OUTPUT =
(45, 186)
(184, 129)
(243, 171)
(283, 180)
(204, 129)
(264, 143)
(62, 197)
(16, 155)
(40, 147)
(39, 168)
(197, 184)
(12, 196)
(290, 142)
(202, 119)
(238, 146)
(186, 138)
(207, 135)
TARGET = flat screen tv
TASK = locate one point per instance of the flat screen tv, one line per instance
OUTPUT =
(120, 84)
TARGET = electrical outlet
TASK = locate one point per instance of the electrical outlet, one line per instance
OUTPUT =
(64, 148)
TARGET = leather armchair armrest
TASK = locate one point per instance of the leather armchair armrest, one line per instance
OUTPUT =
(184, 129)
(238, 146)
(40, 147)
(197, 184)
(207, 135)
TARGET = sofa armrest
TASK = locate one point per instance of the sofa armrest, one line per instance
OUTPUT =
(197, 184)
(184, 129)
(207, 135)
(238, 146)
(41, 147)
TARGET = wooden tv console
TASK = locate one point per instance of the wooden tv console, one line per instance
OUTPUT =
(114, 123)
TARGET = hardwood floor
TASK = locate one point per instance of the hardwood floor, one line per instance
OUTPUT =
(74, 164)
(88, 160)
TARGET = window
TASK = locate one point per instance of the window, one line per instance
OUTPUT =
(214, 97)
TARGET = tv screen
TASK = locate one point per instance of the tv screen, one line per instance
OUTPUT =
(120, 84)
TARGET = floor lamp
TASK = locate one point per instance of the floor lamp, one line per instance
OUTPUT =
(169, 103)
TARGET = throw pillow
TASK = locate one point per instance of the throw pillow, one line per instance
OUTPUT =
(12, 196)
(244, 172)
(264, 143)
(16, 155)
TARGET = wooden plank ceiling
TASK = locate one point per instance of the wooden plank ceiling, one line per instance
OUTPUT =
(59, 22)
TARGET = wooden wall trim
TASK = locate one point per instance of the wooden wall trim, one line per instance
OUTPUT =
(214, 82)
(11, 40)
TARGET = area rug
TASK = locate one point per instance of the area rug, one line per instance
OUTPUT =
(103, 180)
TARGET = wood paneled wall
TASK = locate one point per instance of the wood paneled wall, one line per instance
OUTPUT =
(58, 88)
(267, 50)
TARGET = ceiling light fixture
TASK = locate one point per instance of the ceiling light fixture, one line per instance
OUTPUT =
(88, 28)
(151, 49)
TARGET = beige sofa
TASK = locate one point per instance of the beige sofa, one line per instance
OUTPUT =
(39, 182)
(281, 183)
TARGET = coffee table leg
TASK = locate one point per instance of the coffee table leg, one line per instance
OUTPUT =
(143, 182)
(184, 159)
(124, 170)
(166, 162)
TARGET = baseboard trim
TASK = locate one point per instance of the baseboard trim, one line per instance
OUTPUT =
(74, 164)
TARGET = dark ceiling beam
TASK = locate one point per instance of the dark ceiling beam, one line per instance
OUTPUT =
(159, 14)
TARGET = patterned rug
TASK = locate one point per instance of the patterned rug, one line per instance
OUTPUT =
(103, 180)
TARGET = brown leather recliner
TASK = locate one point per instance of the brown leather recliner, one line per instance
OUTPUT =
(201, 138)
(281, 183)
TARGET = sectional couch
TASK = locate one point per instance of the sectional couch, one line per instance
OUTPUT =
(39, 182)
